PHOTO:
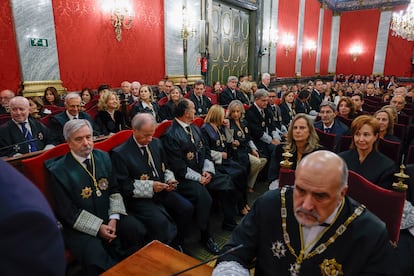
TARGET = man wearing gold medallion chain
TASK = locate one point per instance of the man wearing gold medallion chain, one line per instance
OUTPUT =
(311, 229)
(89, 205)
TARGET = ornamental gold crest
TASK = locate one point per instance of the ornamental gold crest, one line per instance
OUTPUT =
(86, 192)
(190, 155)
(331, 268)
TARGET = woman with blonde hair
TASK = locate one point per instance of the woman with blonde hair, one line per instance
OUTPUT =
(246, 89)
(109, 119)
(214, 132)
(302, 139)
(243, 150)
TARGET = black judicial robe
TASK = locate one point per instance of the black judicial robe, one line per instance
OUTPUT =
(377, 167)
(69, 183)
(130, 165)
(363, 249)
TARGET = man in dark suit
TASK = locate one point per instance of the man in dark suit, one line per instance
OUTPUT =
(328, 123)
(5, 97)
(261, 126)
(202, 102)
(148, 186)
(97, 230)
(264, 84)
(23, 134)
(29, 234)
(230, 93)
(72, 105)
(189, 158)
(184, 88)
(316, 96)
(125, 94)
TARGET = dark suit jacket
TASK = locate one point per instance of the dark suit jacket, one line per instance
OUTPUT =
(103, 123)
(11, 134)
(262, 86)
(287, 114)
(338, 128)
(201, 108)
(302, 107)
(139, 108)
(58, 121)
(130, 99)
(227, 96)
(129, 164)
(3, 110)
(258, 125)
(316, 100)
(29, 235)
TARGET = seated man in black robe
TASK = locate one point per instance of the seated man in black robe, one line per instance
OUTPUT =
(311, 229)
(189, 157)
(96, 228)
(147, 184)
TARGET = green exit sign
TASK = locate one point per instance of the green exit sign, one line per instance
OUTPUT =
(39, 42)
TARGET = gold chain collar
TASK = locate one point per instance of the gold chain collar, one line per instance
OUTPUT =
(92, 175)
(295, 268)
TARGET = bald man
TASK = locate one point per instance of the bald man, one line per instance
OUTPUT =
(23, 134)
(293, 230)
(5, 97)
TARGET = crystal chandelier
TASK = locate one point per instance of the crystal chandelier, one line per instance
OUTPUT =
(403, 23)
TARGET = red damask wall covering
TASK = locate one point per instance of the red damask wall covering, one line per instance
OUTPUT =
(90, 55)
(310, 33)
(10, 74)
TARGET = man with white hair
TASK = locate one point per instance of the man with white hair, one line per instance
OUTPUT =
(231, 93)
(89, 205)
(125, 92)
(72, 105)
(312, 228)
(264, 84)
(23, 134)
(135, 86)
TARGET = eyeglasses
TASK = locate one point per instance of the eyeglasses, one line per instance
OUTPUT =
(272, 96)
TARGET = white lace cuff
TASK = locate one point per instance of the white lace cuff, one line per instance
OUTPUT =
(230, 269)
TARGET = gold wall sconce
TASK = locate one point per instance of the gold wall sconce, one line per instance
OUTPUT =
(288, 41)
(121, 15)
(355, 51)
(310, 45)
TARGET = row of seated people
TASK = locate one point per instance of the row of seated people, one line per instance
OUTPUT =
(262, 123)
(156, 183)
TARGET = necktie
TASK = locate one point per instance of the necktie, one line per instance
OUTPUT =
(262, 113)
(200, 100)
(29, 137)
(328, 130)
(87, 163)
(75, 118)
(146, 156)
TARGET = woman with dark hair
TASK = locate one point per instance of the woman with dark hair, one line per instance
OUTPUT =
(109, 119)
(51, 97)
(386, 122)
(86, 96)
(146, 103)
(287, 107)
(167, 110)
(302, 139)
(364, 157)
(346, 108)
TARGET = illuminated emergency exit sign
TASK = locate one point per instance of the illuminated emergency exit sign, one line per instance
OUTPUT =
(39, 42)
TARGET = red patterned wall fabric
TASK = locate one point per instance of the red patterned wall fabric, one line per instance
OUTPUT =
(326, 40)
(10, 74)
(310, 33)
(287, 23)
(90, 55)
(357, 29)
